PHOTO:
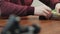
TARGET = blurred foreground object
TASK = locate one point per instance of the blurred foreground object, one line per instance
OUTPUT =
(12, 25)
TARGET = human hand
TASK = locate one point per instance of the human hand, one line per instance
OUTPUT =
(43, 11)
(57, 8)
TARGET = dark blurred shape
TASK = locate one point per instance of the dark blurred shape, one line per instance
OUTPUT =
(42, 18)
(37, 29)
(12, 25)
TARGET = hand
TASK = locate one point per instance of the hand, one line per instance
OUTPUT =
(57, 8)
(43, 10)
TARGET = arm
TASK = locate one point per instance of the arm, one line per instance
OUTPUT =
(8, 8)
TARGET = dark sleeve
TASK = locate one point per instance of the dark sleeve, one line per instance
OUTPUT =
(54, 1)
(8, 8)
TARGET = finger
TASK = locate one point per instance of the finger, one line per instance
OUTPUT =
(48, 8)
(47, 15)
(50, 12)
(43, 11)
(44, 14)
(47, 12)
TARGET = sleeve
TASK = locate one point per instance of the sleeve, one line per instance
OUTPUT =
(8, 8)
(55, 1)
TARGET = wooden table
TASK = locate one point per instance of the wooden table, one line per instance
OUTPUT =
(47, 26)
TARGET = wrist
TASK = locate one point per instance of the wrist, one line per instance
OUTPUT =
(36, 11)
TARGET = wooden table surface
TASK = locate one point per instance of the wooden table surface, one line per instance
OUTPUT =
(47, 26)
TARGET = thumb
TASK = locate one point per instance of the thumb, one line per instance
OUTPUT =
(57, 7)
